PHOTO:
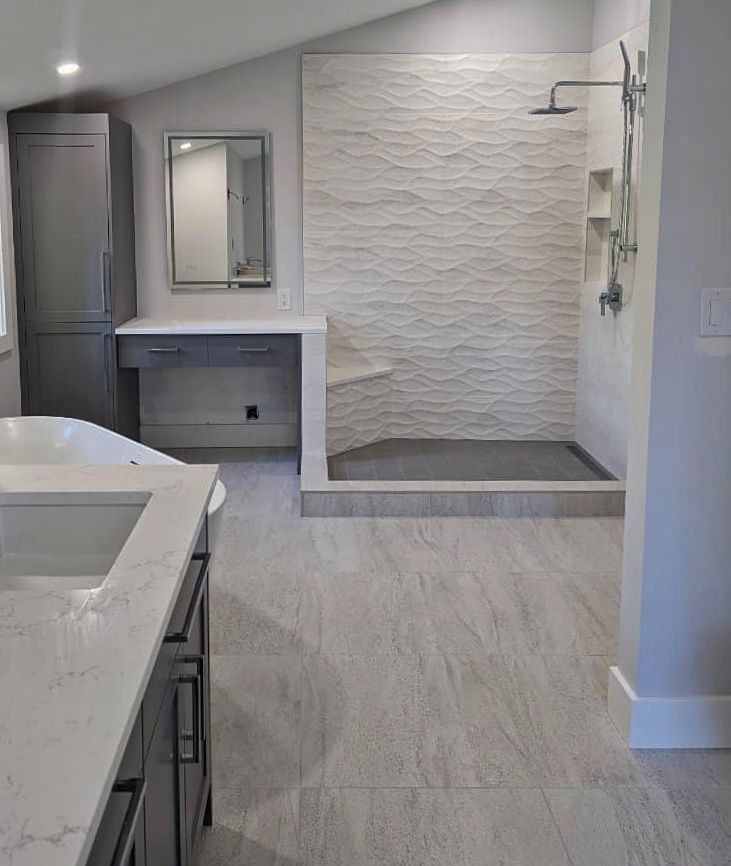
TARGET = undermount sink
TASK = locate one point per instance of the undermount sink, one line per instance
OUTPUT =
(63, 541)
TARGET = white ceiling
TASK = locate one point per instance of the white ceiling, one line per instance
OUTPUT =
(129, 46)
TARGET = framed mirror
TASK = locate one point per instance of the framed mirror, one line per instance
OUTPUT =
(218, 209)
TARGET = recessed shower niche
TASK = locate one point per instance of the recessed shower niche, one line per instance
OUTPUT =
(598, 224)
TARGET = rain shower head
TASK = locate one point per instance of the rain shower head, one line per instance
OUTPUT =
(553, 109)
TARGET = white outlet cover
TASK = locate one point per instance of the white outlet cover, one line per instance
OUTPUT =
(284, 299)
(716, 313)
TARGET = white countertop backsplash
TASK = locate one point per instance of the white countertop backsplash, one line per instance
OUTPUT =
(74, 664)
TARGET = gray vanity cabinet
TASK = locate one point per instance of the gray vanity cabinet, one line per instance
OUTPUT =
(74, 247)
(70, 367)
(171, 744)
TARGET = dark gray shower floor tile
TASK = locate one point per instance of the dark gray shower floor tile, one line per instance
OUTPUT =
(465, 460)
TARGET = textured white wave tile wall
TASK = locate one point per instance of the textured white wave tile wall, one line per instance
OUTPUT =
(443, 236)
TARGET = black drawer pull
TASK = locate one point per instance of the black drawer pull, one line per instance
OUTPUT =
(253, 349)
(123, 849)
(164, 350)
(193, 736)
(183, 636)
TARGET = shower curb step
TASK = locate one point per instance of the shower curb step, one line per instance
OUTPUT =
(593, 499)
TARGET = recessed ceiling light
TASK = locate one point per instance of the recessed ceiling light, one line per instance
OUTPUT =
(186, 145)
(68, 68)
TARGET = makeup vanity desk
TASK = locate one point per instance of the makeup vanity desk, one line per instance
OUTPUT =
(277, 341)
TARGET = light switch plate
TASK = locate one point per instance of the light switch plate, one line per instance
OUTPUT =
(716, 313)
(284, 299)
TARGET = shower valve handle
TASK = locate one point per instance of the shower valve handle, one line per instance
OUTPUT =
(612, 298)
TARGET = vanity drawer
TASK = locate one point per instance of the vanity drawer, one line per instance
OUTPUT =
(253, 350)
(135, 350)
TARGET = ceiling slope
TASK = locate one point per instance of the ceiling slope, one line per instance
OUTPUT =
(129, 46)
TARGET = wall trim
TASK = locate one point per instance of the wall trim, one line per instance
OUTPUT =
(696, 722)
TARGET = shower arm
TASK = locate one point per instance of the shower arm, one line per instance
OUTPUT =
(628, 88)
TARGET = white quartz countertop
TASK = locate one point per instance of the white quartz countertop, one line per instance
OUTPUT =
(74, 664)
(270, 325)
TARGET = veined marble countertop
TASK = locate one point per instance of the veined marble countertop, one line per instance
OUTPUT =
(74, 664)
(202, 325)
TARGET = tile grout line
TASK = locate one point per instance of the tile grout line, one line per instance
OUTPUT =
(558, 829)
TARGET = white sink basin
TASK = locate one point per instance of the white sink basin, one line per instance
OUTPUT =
(63, 541)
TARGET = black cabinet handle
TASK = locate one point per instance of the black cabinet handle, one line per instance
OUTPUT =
(183, 636)
(126, 841)
(199, 663)
(193, 736)
(106, 274)
(253, 349)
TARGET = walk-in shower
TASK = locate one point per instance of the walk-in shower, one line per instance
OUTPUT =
(437, 222)
(620, 243)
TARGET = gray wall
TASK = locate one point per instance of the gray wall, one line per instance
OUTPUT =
(612, 18)
(265, 94)
(676, 601)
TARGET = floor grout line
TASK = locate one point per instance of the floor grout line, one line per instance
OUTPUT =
(558, 829)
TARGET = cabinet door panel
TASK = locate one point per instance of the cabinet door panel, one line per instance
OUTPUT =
(164, 791)
(120, 839)
(64, 227)
(195, 718)
(69, 371)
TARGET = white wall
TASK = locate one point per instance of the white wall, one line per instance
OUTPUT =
(605, 343)
(612, 18)
(9, 373)
(675, 636)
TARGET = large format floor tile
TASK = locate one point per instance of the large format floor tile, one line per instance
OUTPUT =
(398, 691)
(454, 721)
(649, 826)
(302, 545)
(253, 613)
(255, 709)
(252, 827)
(419, 827)
(458, 612)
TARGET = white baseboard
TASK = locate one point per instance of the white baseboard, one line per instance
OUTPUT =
(252, 435)
(697, 722)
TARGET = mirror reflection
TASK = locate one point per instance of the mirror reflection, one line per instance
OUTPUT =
(218, 209)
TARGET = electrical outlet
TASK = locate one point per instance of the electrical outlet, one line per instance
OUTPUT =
(252, 413)
(284, 299)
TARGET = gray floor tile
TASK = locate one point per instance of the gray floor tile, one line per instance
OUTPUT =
(458, 828)
(253, 612)
(252, 827)
(449, 721)
(255, 717)
(649, 826)
(359, 652)
(458, 612)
